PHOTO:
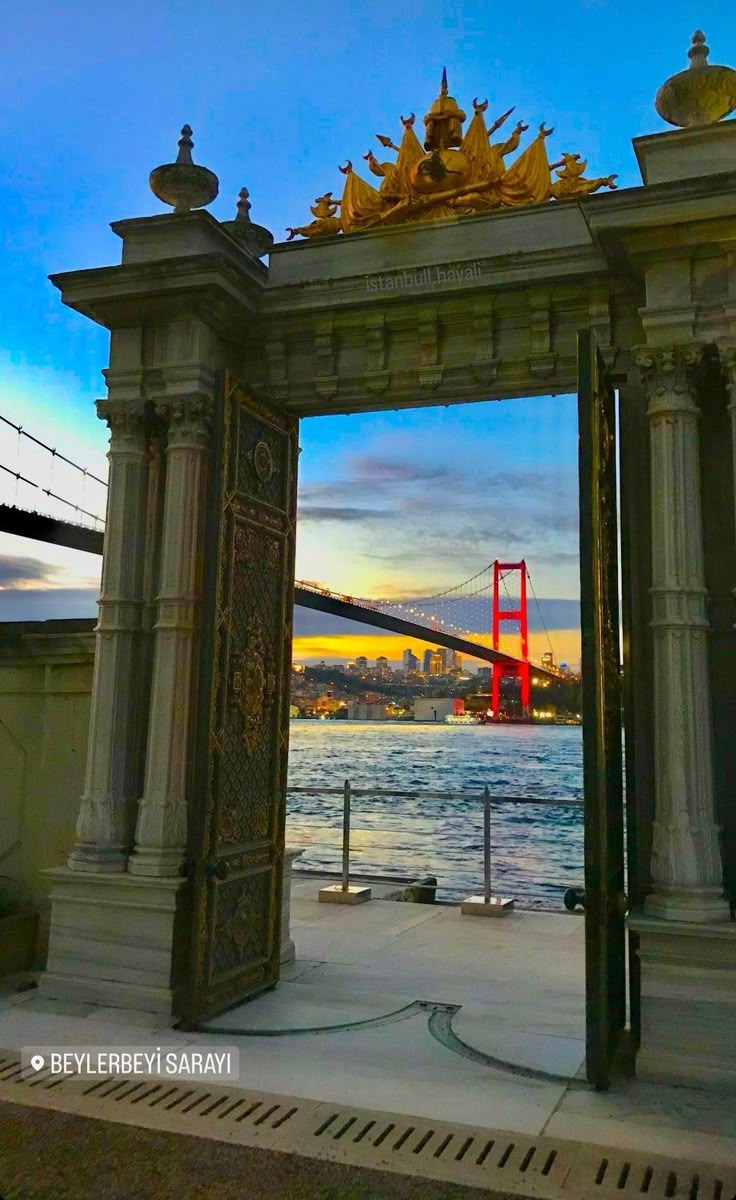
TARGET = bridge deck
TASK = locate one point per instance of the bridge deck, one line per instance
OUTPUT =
(38, 527)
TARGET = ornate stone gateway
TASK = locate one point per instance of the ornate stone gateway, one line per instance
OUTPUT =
(456, 280)
(241, 739)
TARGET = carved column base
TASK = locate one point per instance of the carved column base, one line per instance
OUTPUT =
(688, 1002)
(699, 905)
(156, 861)
(87, 857)
(117, 941)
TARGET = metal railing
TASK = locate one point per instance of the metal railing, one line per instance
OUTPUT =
(350, 792)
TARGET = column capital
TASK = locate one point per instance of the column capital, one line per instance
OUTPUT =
(727, 355)
(125, 418)
(667, 373)
(667, 360)
(187, 417)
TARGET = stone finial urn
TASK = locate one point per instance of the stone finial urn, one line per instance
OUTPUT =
(256, 239)
(183, 184)
(700, 95)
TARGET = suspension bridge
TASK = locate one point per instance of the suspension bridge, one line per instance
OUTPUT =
(452, 619)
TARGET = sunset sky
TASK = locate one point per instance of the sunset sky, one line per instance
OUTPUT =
(92, 96)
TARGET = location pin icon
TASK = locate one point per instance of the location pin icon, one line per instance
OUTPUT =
(37, 1062)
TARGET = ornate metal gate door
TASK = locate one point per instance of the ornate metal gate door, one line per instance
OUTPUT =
(605, 935)
(237, 809)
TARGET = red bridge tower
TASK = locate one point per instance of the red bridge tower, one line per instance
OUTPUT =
(522, 671)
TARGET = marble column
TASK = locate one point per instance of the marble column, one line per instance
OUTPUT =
(687, 873)
(107, 813)
(728, 358)
(161, 830)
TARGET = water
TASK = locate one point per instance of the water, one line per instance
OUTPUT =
(537, 852)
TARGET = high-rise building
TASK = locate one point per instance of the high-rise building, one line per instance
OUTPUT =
(361, 663)
(410, 661)
(548, 659)
(483, 677)
(436, 666)
(382, 668)
(427, 661)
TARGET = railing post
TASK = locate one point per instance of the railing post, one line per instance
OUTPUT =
(346, 837)
(486, 905)
(487, 844)
(343, 893)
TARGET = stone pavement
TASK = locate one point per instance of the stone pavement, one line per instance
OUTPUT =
(516, 984)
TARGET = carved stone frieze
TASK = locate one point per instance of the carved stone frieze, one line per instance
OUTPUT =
(599, 311)
(278, 364)
(325, 358)
(485, 363)
(542, 360)
(377, 377)
(430, 370)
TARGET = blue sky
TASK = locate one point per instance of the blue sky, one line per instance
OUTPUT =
(92, 96)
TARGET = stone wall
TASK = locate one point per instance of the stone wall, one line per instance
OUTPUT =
(45, 684)
(46, 672)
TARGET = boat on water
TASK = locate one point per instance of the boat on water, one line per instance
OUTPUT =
(461, 719)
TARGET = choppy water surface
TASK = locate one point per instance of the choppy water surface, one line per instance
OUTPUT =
(536, 852)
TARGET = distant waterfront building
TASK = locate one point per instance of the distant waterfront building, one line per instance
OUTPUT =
(383, 670)
(436, 708)
(427, 661)
(483, 677)
(436, 665)
(548, 659)
(367, 712)
(361, 663)
(410, 661)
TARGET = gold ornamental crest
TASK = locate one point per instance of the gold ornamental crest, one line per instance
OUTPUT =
(453, 174)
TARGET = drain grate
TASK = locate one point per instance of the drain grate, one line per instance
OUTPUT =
(546, 1168)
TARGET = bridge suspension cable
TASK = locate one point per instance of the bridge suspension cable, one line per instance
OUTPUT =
(47, 492)
(52, 450)
(539, 610)
(470, 589)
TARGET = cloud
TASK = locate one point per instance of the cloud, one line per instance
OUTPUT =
(442, 514)
(390, 470)
(325, 512)
(47, 604)
(14, 570)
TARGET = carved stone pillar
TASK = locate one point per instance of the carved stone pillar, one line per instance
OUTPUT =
(161, 830)
(107, 813)
(687, 873)
(728, 358)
